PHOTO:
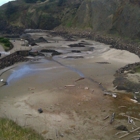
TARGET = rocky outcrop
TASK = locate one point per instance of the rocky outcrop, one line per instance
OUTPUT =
(122, 83)
(41, 39)
(13, 58)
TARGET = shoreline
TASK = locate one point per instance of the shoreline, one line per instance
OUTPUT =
(73, 108)
(115, 42)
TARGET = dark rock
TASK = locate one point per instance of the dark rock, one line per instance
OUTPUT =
(41, 39)
(40, 54)
(91, 49)
(122, 128)
(40, 110)
(121, 88)
(75, 57)
(76, 51)
(123, 83)
(76, 45)
(70, 39)
(32, 43)
(28, 37)
(48, 50)
(54, 52)
(13, 58)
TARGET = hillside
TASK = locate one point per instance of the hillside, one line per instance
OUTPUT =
(118, 17)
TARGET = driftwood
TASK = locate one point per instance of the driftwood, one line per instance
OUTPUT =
(138, 136)
(135, 101)
(122, 114)
(129, 133)
(130, 120)
(114, 95)
(120, 132)
(57, 134)
(82, 78)
(107, 93)
(135, 129)
(69, 85)
(121, 106)
(106, 117)
(124, 135)
(112, 118)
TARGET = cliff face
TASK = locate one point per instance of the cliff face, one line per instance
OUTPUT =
(96, 14)
(111, 16)
(126, 20)
(119, 17)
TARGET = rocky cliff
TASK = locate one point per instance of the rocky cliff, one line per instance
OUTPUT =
(117, 17)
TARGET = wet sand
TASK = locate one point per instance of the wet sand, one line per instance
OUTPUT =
(71, 110)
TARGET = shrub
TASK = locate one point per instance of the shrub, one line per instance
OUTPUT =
(11, 9)
(6, 43)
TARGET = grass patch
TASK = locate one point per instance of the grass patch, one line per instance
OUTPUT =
(69, 24)
(5, 43)
(9, 130)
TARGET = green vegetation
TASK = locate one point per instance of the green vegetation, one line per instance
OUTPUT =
(5, 43)
(11, 9)
(48, 21)
(84, 14)
(9, 130)
(136, 40)
(33, 1)
(69, 24)
(137, 69)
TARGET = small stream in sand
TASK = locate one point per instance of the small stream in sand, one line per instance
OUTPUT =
(67, 54)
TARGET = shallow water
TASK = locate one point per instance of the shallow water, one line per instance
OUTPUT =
(70, 68)
(26, 70)
(42, 65)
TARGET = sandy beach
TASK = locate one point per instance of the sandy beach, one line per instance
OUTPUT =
(69, 90)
